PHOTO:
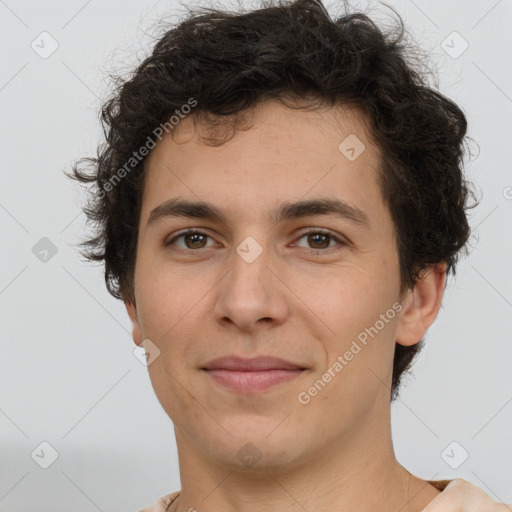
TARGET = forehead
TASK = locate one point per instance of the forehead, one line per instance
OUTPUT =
(282, 153)
(272, 122)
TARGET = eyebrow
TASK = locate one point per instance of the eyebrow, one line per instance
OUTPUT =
(286, 211)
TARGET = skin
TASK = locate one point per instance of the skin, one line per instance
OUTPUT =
(303, 299)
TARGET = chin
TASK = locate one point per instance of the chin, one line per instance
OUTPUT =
(256, 452)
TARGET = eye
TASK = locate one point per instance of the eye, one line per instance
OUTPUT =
(192, 239)
(321, 239)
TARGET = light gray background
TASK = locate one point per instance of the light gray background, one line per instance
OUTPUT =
(68, 375)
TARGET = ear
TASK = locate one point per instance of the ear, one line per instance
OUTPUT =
(136, 330)
(421, 305)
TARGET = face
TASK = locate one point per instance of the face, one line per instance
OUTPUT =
(314, 287)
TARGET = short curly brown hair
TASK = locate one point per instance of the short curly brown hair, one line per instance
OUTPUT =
(229, 62)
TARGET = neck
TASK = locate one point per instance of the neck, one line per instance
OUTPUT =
(358, 472)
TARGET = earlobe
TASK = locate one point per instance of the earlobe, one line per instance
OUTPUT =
(421, 305)
(136, 330)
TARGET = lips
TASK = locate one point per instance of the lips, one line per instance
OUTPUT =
(251, 375)
(249, 365)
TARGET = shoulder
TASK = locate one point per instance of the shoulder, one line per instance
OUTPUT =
(162, 504)
(440, 484)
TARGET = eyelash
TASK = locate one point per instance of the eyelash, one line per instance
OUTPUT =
(193, 231)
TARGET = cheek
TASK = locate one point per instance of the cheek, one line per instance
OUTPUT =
(164, 299)
(344, 298)
(354, 308)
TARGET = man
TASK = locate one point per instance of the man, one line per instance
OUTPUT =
(280, 201)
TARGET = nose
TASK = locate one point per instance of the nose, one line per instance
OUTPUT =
(251, 294)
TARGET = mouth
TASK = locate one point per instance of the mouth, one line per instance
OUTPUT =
(252, 375)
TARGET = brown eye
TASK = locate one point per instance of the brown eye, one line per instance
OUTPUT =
(197, 240)
(192, 240)
(321, 240)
